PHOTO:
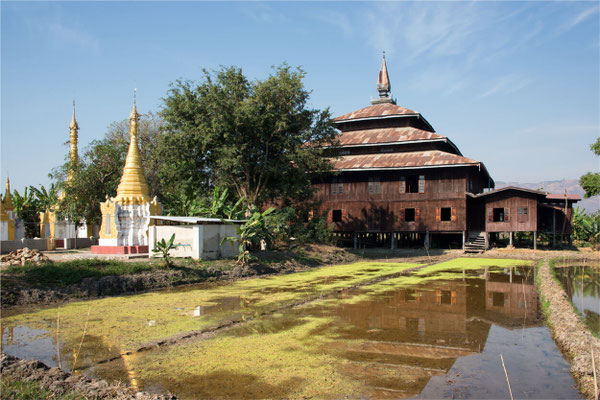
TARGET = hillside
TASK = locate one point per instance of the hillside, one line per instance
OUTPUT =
(572, 185)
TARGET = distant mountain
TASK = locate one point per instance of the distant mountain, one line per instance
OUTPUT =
(572, 185)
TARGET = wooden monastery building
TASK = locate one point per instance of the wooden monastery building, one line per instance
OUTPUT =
(397, 182)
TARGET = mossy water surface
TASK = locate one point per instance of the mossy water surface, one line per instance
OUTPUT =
(376, 341)
(124, 323)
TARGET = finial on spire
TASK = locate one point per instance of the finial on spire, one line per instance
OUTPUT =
(134, 114)
(74, 125)
(383, 81)
(383, 85)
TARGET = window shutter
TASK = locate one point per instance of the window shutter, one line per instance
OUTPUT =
(453, 298)
(344, 213)
(402, 215)
(507, 215)
(421, 183)
(438, 296)
(438, 214)
(490, 214)
(453, 213)
(334, 187)
(403, 185)
(417, 214)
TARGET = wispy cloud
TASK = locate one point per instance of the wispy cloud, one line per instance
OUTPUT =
(63, 35)
(578, 19)
(506, 84)
(264, 13)
(337, 19)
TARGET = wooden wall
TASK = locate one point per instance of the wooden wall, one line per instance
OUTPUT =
(384, 211)
(511, 201)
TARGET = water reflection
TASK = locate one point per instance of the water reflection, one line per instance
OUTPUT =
(582, 285)
(440, 338)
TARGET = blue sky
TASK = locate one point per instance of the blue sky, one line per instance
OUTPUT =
(514, 84)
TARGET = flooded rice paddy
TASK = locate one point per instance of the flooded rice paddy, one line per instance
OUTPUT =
(358, 331)
(582, 285)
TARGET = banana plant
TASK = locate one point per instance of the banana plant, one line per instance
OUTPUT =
(250, 234)
(164, 248)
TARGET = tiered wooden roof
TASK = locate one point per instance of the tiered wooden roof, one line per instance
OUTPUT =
(410, 139)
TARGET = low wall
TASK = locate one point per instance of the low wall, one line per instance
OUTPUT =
(6, 246)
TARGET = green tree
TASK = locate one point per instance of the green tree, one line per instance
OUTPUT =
(96, 178)
(258, 139)
(46, 198)
(27, 210)
(590, 182)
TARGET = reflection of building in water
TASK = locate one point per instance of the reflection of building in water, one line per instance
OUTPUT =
(419, 332)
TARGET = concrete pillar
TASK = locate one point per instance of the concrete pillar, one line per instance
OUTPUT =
(427, 240)
(487, 240)
(535, 240)
(393, 240)
(511, 274)
(355, 241)
(510, 235)
(464, 239)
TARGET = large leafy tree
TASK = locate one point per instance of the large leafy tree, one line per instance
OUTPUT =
(590, 182)
(258, 139)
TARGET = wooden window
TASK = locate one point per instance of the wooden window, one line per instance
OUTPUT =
(490, 214)
(337, 186)
(373, 185)
(421, 183)
(499, 214)
(417, 214)
(336, 216)
(507, 215)
(453, 218)
(438, 214)
(386, 149)
(446, 214)
(344, 152)
(409, 214)
(411, 184)
(402, 187)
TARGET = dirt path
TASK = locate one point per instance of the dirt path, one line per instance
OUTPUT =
(569, 332)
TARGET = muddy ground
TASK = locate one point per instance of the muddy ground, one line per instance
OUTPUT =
(61, 383)
(569, 332)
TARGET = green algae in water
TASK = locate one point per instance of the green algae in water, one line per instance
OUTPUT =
(388, 345)
(126, 322)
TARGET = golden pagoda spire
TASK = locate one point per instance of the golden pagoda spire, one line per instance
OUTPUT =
(73, 155)
(7, 204)
(133, 187)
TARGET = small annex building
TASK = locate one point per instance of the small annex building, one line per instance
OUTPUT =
(196, 237)
(397, 182)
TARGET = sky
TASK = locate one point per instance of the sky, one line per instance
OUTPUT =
(515, 85)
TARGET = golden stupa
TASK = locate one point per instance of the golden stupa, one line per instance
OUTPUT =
(7, 215)
(126, 217)
(51, 226)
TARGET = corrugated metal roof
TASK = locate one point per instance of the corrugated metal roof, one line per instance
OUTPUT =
(401, 160)
(385, 135)
(196, 220)
(554, 196)
(376, 110)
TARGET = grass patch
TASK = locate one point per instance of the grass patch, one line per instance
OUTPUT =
(544, 304)
(21, 390)
(62, 274)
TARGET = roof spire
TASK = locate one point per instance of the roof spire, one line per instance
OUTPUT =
(383, 85)
(7, 204)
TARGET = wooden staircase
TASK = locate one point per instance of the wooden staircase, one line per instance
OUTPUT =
(475, 243)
